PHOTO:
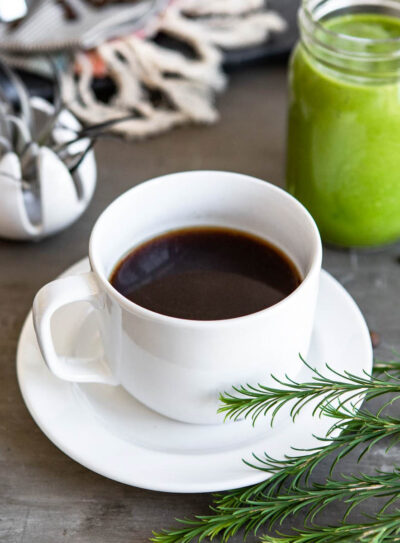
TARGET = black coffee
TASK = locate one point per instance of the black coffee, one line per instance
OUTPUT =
(205, 273)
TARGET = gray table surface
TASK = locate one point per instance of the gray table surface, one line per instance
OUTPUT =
(45, 497)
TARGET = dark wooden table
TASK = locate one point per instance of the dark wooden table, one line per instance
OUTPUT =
(45, 497)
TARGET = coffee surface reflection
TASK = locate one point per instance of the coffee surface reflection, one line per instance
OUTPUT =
(205, 273)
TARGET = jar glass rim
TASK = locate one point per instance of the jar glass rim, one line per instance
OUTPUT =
(307, 7)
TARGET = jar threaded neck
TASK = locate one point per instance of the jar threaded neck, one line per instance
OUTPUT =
(368, 57)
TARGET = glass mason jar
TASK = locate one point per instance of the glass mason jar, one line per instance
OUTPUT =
(343, 156)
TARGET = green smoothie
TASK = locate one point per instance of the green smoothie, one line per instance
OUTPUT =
(344, 140)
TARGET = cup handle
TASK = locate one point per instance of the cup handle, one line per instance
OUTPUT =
(53, 296)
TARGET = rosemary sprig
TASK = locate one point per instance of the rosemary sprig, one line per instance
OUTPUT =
(362, 430)
(384, 529)
(288, 490)
(270, 502)
(256, 401)
(253, 514)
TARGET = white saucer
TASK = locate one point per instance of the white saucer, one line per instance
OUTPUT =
(109, 432)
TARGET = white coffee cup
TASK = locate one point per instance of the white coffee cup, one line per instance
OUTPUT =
(175, 366)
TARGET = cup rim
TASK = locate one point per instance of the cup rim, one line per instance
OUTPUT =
(132, 307)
